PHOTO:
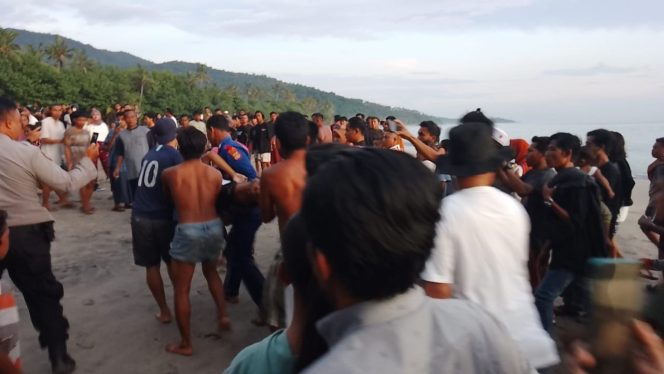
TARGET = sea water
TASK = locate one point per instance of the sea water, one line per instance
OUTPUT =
(639, 137)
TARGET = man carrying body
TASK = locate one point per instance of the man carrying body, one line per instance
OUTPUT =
(152, 224)
(24, 168)
(481, 248)
(131, 146)
(199, 235)
(281, 197)
(240, 249)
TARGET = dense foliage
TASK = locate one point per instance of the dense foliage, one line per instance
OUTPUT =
(67, 71)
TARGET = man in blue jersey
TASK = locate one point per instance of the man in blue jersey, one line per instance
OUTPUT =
(152, 224)
(240, 250)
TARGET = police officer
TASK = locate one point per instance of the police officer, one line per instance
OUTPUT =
(23, 168)
(240, 249)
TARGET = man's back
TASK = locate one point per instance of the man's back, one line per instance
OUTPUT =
(193, 187)
(151, 201)
(282, 186)
(412, 333)
(481, 248)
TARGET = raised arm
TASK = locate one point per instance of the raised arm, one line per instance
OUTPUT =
(514, 183)
(427, 152)
(53, 176)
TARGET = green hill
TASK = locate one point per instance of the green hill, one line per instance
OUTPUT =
(249, 87)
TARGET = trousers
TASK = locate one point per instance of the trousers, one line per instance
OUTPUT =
(28, 263)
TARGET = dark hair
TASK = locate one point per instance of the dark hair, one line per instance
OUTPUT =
(7, 105)
(191, 143)
(618, 153)
(360, 115)
(585, 154)
(476, 117)
(292, 130)
(218, 122)
(567, 142)
(150, 115)
(317, 115)
(390, 118)
(445, 144)
(258, 111)
(660, 140)
(197, 113)
(342, 118)
(169, 111)
(541, 143)
(271, 113)
(385, 258)
(313, 131)
(357, 123)
(373, 135)
(184, 115)
(3, 221)
(603, 139)
(432, 127)
(320, 154)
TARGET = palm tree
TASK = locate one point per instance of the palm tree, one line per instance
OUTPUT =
(37, 52)
(81, 61)
(141, 80)
(201, 74)
(8, 49)
(58, 52)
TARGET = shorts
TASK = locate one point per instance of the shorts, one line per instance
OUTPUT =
(151, 240)
(198, 242)
(264, 157)
(605, 215)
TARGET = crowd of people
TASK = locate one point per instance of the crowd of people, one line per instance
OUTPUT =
(374, 241)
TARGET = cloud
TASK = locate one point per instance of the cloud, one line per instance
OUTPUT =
(594, 70)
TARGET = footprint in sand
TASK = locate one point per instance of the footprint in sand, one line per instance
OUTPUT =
(88, 302)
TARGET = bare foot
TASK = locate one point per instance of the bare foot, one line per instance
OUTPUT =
(179, 349)
(163, 317)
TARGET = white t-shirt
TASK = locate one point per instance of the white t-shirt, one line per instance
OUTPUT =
(101, 129)
(481, 247)
(52, 129)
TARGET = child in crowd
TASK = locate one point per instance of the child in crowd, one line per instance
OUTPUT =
(587, 163)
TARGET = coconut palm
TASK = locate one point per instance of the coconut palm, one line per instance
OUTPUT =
(8, 49)
(36, 52)
(58, 52)
(81, 61)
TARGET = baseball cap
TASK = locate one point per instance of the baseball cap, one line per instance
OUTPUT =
(501, 137)
(164, 131)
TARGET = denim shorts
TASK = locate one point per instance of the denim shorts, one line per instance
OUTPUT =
(198, 242)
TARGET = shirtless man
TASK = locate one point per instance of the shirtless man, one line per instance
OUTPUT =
(281, 197)
(194, 188)
(282, 184)
(324, 131)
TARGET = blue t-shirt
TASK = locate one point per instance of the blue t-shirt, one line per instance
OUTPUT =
(150, 201)
(237, 157)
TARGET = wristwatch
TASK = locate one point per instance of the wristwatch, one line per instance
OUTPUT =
(549, 202)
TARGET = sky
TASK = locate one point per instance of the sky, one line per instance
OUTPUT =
(567, 61)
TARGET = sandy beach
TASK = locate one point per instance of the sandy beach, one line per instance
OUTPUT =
(111, 311)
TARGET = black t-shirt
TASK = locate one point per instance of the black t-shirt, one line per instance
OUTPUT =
(612, 173)
(540, 214)
(243, 134)
(575, 240)
(261, 137)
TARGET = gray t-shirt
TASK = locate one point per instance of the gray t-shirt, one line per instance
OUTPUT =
(133, 146)
(412, 333)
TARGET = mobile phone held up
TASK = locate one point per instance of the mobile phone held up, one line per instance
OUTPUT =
(95, 136)
(617, 298)
(392, 126)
